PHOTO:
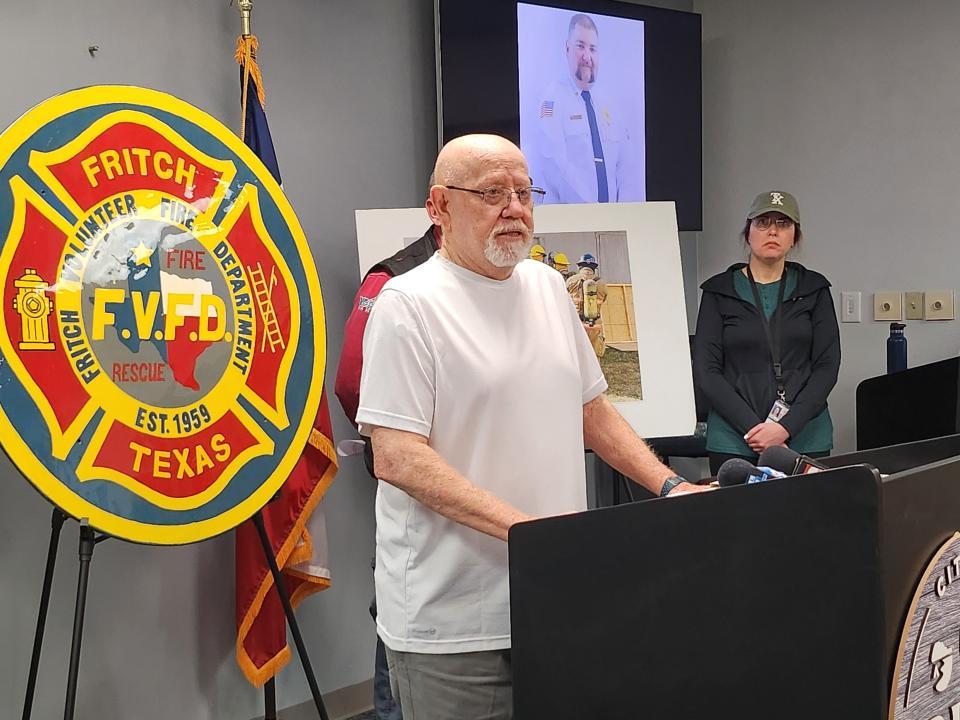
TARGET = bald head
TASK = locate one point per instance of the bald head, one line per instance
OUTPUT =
(489, 238)
(466, 157)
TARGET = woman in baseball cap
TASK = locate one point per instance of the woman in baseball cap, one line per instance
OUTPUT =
(767, 346)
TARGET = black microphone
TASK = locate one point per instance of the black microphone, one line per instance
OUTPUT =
(788, 461)
(737, 471)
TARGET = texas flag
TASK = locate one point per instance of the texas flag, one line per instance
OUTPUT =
(293, 521)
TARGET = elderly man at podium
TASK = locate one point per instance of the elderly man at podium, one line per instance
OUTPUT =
(479, 391)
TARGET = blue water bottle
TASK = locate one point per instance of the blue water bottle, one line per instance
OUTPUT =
(896, 349)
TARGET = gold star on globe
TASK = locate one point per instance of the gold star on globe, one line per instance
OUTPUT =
(141, 254)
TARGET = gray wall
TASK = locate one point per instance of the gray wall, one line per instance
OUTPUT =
(852, 106)
(351, 102)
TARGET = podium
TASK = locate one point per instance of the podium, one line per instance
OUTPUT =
(915, 404)
(783, 599)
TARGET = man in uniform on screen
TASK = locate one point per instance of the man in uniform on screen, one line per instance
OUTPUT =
(581, 145)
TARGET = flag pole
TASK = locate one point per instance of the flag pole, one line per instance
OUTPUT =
(270, 686)
(247, 44)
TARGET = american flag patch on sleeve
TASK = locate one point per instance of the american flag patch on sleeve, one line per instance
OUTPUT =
(546, 108)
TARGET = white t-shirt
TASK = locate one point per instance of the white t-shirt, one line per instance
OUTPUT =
(495, 374)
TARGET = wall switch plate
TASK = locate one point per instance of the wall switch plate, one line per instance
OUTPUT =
(913, 305)
(888, 306)
(938, 304)
(850, 306)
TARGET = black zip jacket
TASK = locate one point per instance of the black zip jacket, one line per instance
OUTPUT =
(732, 362)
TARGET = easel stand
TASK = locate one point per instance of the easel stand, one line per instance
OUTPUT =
(89, 538)
(270, 689)
(56, 526)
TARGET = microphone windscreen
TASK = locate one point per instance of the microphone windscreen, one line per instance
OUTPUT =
(780, 457)
(735, 471)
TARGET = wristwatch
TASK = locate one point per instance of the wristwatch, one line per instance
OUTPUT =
(669, 484)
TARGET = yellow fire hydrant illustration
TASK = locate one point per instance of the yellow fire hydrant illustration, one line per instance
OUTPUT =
(34, 307)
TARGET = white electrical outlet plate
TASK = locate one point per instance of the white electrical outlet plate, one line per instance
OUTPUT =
(850, 306)
(888, 306)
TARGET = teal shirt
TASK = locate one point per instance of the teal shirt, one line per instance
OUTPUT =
(816, 435)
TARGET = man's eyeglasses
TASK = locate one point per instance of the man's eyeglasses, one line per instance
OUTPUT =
(764, 223)
(501, 196)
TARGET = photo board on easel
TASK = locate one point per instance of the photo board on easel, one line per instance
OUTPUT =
(646, 354)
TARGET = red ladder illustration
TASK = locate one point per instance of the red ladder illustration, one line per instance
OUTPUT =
(262, 291)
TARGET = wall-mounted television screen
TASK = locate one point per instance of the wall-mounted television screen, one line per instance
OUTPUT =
(602, 96)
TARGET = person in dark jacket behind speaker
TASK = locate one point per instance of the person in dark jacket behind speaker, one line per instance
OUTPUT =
(767, 375)
(347, 389)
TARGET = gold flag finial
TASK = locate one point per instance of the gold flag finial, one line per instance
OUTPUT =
(246, 10)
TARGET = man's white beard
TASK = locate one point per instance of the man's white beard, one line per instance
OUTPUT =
(506, 255)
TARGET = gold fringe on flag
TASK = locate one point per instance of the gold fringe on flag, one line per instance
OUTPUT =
(246, 57)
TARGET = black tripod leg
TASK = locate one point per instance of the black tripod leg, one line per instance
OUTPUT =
(291, 619)
(270, 700)
(56, 524)
(87, 541)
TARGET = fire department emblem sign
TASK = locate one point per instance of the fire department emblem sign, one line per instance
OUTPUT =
(162, 335)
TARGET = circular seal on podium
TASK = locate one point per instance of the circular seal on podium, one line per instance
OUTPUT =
(926, 680)
(162, 331)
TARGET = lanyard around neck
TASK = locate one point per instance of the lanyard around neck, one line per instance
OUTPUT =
(773, 336)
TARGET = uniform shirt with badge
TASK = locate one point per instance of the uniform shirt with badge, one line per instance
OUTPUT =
(457, 358)
(561, 151)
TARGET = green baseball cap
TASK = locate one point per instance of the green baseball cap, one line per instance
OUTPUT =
(775, 201)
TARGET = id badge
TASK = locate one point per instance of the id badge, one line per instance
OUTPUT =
(779, 409)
